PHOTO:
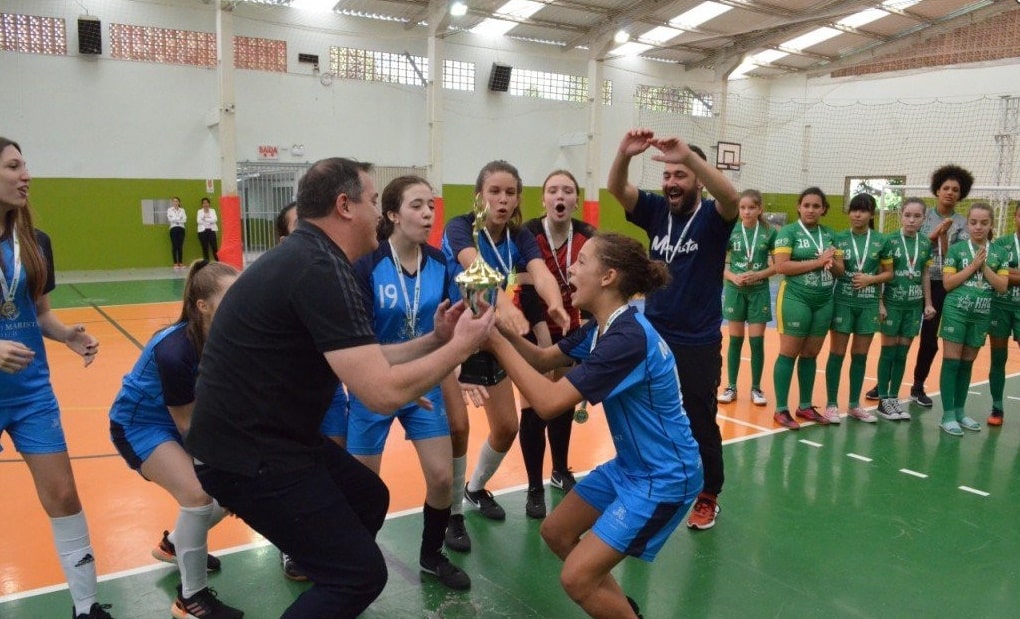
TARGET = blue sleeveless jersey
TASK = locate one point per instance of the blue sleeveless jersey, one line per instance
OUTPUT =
(631, 371)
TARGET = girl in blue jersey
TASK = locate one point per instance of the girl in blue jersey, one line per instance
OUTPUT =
(405, 280)
(150, 415)
(28, 407)
(632, 503)
(511, 250)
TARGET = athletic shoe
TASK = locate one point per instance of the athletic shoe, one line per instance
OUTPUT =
(860, 414)
(202, 605)
(535, 507)
(969, 424)
(98, 611)
(784, 419)
(995, 419)
(564, 480)
(810, 413)
(703, 514)
(831, 415)
(634, 607)
(887, 409)
(727, 396)
(872, 394)
(904, 413)
(448, 574)
(165, 552)
(482, 499)
(758, 398)
(951, 428)
(918, 395)
(291, 569)
(457, 538)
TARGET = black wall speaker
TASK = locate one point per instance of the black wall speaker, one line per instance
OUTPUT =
(90, 35)
(499, 79)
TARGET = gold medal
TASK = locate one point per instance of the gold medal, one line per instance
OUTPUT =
(9, 310)
(581, 414)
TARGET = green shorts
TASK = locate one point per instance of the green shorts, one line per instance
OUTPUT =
(750, 305)
(969, 329)
(802, 317)
(859, 320)
(1004, 321)
(902, 322)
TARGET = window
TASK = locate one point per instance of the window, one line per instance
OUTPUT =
(163, 45)
(882, 188)
(260, 54)
(674, 100)
(555, 86)
(32, 34)
(362, 64)
(459, 75)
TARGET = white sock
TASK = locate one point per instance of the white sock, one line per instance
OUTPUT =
(218, 514)
(459, 471)
(488, 461)
(191, 543)
(71, 537)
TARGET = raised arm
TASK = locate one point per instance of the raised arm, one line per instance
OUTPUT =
(634, 143)
(675, 150)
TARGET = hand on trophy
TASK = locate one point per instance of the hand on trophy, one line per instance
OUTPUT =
(446, 319)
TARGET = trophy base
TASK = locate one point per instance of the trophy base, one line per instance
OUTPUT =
(481, 368)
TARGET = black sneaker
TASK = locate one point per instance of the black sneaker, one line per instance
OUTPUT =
(98, 611)
(634, 607)
(535, 507)
(202, 605)
(291, 569)
(918, 395)
(445, 572)
(457, 538)
(165, 552)
(872, 395)
(482, 499)
(564, 480)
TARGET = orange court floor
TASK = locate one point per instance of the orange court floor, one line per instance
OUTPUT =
(126, 514)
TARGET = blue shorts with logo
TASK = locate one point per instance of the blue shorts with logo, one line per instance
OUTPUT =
(367, 431)
(34, 427)
(334, 424)
(136, 442)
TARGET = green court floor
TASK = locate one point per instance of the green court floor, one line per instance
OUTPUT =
(884, 520)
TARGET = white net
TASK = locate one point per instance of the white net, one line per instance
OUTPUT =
(787, 145)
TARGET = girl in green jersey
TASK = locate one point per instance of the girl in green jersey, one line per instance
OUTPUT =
(746, 295)
(1005, 318)
(971, 270)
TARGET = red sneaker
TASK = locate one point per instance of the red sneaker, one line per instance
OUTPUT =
(784, 419)
(704, 512)
(810, 413)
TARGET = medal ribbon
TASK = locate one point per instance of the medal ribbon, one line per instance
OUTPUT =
(410, 311)
(683, 233)
(10, 290)
(570, 243)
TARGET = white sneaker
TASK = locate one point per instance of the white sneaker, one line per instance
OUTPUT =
(888, 409)
(832, 414)
(904, 413)
(758, 398)
(860, 414)
(727, 396)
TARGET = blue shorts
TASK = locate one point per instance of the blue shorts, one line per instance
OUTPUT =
(135, 443)
(334, 424)
(631, 522)
(34, 427)
(367, 431)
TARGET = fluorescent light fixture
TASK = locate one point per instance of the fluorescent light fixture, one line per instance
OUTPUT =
(814, 37)
(630, 49)
(324, 6)
(699, 15)
(458, 9)
(768, 56)
(621, 37)
(660, 34)
(517, 9)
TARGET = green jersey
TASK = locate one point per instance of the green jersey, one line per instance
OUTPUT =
(749, 250)
(862, 253)
(975, 294)
(801, 243)
(909, 258)
(1009, 250)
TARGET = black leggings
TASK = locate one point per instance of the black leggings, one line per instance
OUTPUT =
(208, 240)
(929, 345)
(177, 244)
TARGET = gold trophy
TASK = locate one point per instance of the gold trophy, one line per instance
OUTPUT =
(480, 282)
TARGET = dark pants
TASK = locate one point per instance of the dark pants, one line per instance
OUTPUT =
(177, 244)
(208, 240)
(700, 370)
(326, 518)
(929, 345)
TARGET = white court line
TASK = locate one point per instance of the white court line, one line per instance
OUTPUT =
(746, 424)
(811, 443)
(973, 490)
(1009, 397)
(914, 473)
(859, 457)
(974, 392)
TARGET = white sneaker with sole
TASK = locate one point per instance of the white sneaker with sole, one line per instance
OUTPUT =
(727, 396)
(758, 398)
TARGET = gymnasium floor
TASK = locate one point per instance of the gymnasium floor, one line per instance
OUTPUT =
(884, 520)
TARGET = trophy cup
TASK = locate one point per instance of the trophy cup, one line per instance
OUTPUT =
(480, 282)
